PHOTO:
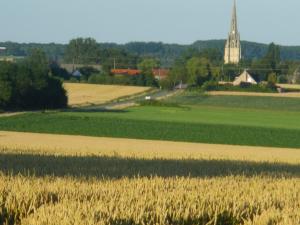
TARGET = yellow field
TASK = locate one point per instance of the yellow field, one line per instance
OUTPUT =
(236, 93)
(154, 201)
(82, 145)
(88, 94)
(290, 86)
(60, 179)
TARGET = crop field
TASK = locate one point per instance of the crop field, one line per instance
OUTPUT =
(258, 94)
(89, 94)
(154, 165)
(147, 149)
(125, 188)
(204, 124)
(237, 101)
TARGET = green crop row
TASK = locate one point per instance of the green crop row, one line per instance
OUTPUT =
(105, 125)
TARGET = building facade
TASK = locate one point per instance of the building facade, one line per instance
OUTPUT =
(233, 51)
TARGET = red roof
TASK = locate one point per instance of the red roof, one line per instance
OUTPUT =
(126, 72)
(160, 72)
(156, 72)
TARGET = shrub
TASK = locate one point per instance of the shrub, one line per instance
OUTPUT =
(210, 86)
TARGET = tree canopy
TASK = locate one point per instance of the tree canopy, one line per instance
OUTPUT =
(27, 85)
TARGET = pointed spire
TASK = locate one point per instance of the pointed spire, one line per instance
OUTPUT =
(234, 26)
(233, 46)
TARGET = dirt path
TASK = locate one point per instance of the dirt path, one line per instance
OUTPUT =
(10, 114)
(72, 145)
(233, 93)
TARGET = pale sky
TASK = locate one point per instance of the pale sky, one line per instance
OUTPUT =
(170, 21)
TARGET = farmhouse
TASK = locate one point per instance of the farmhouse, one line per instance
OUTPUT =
(245, 77)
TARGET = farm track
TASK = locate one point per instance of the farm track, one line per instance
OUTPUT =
(235, 93)
(81, 145)
(8, 114)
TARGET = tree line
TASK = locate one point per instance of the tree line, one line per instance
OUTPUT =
(166, 53)
(28, 84)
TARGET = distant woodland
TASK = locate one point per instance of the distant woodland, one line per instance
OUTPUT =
(166, 53)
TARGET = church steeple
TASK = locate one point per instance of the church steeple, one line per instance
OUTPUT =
(234, 27)
(233, 45)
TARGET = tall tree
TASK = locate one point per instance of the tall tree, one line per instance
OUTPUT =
(6, 84)
(146, 67)
(198, 71)
(82, 51)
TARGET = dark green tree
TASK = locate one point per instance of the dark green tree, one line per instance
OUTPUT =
(198, 71)
(82, 51)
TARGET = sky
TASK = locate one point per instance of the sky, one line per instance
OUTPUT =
(169, 21)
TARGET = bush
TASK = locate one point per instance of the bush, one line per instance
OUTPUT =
(210, 86)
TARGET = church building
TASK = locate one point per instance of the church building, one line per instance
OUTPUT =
(233, 53)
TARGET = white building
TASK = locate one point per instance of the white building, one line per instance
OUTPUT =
(245, 77)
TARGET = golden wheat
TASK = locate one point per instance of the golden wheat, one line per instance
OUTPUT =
(88, 94)
(82, 145)
(230, 200)
(54, 186)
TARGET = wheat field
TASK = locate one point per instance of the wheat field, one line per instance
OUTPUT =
(149, 149)
(151, 201)
(132, 182)
(88, 94)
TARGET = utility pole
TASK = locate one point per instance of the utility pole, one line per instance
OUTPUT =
(114, 63)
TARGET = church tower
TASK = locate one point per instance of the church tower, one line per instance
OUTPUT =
(233, 53)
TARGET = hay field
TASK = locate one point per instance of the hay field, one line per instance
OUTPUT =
(88, 94)
(235, 93)
(77, 180)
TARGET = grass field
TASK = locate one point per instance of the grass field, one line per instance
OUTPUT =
(89, 94)
(205, 124)
(248, 102)
(257, 94)
(130, 189)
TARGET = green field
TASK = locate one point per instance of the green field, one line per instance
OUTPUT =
(205, 124)
(248, 102)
